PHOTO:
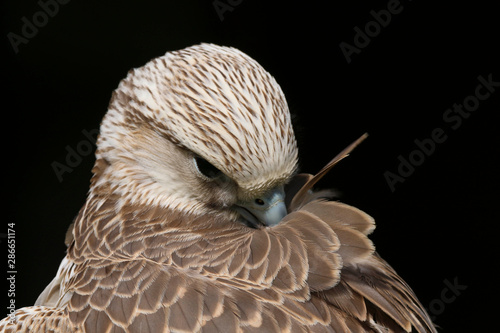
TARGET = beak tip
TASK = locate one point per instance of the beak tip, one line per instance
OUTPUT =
(270, 210)
(274, 215)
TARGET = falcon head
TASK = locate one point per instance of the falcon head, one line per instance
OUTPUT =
(200, 130)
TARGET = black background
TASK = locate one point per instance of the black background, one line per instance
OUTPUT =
(439, 224)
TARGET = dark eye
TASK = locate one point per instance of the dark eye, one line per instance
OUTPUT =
(259, 202)
(206, 169)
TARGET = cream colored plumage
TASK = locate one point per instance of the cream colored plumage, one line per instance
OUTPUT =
(185, 228)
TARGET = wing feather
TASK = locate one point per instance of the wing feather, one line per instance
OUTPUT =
(186, 313)
(315, 271)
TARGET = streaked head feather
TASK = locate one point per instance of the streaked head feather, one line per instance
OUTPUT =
(212, 101)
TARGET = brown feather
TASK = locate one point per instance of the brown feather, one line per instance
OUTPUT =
(158, 248)
(336, 213)
(298, 198)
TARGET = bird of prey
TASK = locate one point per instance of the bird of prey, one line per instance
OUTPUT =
(198, 221)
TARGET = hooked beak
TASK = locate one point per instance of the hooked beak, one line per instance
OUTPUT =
(268, 209)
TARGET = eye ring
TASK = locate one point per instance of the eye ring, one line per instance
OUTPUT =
(205, 168)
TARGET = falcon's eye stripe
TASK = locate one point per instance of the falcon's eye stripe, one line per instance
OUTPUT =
(206, 168)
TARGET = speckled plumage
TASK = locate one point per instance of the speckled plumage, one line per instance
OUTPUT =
(158, 247)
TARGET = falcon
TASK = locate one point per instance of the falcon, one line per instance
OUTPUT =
(197, 220)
